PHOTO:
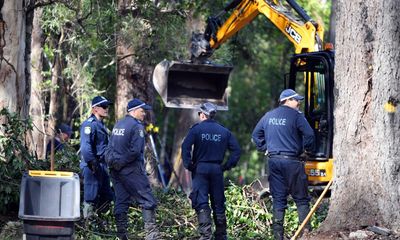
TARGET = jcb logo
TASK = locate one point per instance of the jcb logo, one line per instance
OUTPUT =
(293, 34)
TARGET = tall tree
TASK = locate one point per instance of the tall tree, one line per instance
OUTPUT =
(143, 38)
(14, 84)
(133, 75)
(183, 177)
(367, 138)
(37, 108)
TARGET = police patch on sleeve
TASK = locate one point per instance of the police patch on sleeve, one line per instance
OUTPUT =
(87, 130)
(141, 133)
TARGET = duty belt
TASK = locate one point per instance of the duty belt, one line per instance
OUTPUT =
(291, 157)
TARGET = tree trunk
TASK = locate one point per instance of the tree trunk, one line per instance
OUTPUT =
(14, 85)
(332, 22)
(54, 94)
(37, 111)
(367, 138)
(186, 119)
(133, 78)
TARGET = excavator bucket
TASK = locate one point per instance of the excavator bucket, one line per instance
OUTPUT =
(187, 85)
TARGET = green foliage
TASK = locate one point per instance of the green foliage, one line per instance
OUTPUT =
(15, 157)
(248, 217)
(82, 32)
(65, 159)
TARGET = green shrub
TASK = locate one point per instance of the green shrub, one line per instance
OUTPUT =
(248, 217)
(15, 157)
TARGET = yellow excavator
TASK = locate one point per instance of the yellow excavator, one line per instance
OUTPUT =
(186, 84)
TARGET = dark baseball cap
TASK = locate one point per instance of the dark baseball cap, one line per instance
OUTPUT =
(288, 94)
(100, 101)
(137, 103)
(208, 108)
(64, 128)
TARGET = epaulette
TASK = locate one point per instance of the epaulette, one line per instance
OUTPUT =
(91, 119)
(194, 125)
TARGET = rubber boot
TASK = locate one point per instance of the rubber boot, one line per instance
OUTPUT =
(150, 226)
(220, 227)
(277, 224)
(303, 211)
(204, 219)
(121, 220)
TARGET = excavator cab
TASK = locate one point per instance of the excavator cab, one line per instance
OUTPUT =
(187, 84)
(311, 74)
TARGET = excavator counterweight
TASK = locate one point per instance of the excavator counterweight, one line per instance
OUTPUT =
(187, 84)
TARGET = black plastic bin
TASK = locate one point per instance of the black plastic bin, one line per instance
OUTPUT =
(49, 204)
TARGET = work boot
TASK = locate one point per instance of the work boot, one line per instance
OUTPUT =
(303, 211)
(204, 219)
(121, 220)
(277, 224)
(150, 226)
(220, 227)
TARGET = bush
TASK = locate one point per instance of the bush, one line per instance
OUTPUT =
(15, 157)
(247, 217)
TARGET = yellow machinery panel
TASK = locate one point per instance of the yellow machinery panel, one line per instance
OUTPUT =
(319, 172)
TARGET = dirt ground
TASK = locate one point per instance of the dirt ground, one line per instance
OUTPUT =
(10, 226)
(346, 236)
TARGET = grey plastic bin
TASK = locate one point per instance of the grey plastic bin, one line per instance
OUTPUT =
(49, 204)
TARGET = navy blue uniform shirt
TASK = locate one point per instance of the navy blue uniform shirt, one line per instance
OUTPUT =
(127, 140)
(210, 140)
(283, 130)
(94, 140)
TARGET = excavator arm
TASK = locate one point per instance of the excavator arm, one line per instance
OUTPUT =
(188, 84)
(290, 19)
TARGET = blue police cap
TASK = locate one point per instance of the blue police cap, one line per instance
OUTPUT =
(288, 94)
(208, 108)
(137, 103)
(64, 128)
(100, 101)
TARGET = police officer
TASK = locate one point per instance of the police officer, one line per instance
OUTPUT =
(203, 153)
(126, 162)
(284, 134)
(63, 134)
(94, 139)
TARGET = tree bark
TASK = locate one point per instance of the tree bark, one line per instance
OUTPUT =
(54, 94)
(36, 110)
(14, 85)
(332, 22)
(186, 119)
(367, 138)
(133, 77)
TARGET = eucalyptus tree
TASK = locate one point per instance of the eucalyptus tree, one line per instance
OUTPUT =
(14, 83)
(37, 107)
(147, 32)
(367, 134)
(78, 57)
